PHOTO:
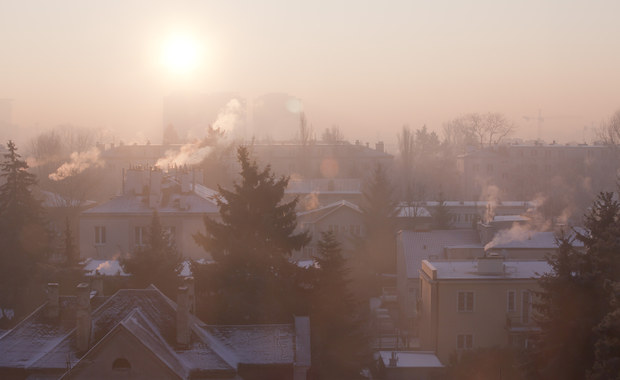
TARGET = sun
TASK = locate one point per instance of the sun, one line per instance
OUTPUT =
(180, 54)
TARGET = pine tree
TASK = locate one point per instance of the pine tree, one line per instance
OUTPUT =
(158, 263)
(607, 348)
(339, 346)
(252, 279)
(24, 238)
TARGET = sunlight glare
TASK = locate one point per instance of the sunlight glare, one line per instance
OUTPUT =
(180, 54)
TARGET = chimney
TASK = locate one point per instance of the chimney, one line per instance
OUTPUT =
(380, 147)
(183, 329)
(189, 283)
(97, 284)
(83, 317)
(52, 310)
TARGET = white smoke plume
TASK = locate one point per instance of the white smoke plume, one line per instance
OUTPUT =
(79, 161)
(194, 152)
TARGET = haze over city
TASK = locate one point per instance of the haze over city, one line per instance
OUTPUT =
(367, 67)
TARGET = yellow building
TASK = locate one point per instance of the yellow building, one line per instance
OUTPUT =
(485, 302)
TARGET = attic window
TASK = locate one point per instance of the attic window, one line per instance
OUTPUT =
(121, 364)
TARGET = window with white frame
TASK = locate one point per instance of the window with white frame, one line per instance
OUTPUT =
(464, 341)
(465, 301)
(511, 301)
(100, 237)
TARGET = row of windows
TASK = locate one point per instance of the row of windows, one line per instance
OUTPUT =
(465, 303)
(140, 235)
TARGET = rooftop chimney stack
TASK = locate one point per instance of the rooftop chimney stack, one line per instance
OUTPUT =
(183, 329)
(83, 317)
(52, 310)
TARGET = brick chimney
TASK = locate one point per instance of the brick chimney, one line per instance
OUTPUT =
(83, 317)
(183, 330)
(52, 309)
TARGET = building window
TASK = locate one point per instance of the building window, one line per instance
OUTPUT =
(526, 306)
(465, 301)
(100, 238)
(354, 229)
(511, 301)
(140, 236)
(464, 342)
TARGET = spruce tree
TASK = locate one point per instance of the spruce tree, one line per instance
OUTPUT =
(24, 237)
(339, 345)
(575, 296)
(157, 263)
(252, 279)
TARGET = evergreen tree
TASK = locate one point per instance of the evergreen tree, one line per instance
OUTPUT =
(607, 353)
(158, 263)
(339, 346)
(70, 250)
(442, 217)
(574, 298)
(378, 248)
(252, 279)
(24, 238)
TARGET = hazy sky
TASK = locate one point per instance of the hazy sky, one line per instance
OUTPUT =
(367, 66)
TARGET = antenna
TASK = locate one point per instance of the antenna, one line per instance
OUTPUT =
(539, 120)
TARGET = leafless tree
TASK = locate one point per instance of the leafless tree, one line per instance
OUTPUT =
(487, 129)
(305, 130)
(332, 135)
(609, 132)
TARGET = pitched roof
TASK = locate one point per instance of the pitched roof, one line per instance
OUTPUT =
(313, 216)
(468, 270)
(50, 344)
(138, 204)
(417, 246)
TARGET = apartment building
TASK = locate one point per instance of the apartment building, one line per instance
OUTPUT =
(468, 304)
(117, 227)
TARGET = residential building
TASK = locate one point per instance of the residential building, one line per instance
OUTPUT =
(468, 304)
(314, 193)
(343, 218)
(522, 171)
(142, 334)
(121, 225)
(412, 247)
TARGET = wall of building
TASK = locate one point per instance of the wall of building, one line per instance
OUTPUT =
(441, 321)
(121, 235)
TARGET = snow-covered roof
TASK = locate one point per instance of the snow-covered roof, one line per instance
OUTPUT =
(42, 343)
(420, 245)
(104, 267)
(526, 240)
(510, 218)
(411, 359)
(468, 269)
(138, 204)
(319, 213)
